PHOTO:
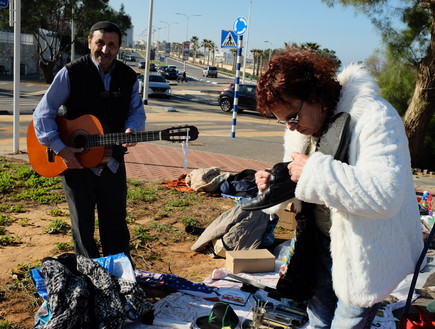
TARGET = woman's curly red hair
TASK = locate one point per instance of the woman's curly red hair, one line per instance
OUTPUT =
(298, 74)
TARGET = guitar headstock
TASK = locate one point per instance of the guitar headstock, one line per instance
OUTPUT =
(180, 134)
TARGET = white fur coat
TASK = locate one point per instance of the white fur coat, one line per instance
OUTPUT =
(376, 235)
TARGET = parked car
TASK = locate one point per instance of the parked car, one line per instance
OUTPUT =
(141, 64)
(153, 67)
(130, 58)
(246, 98)
(170, 74)
(161, 69)
(210, 71)
(174, 67)
(157, 86)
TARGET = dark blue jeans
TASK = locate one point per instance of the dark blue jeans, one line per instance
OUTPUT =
(325, 310)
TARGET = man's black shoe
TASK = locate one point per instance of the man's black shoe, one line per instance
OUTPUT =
(281, 188)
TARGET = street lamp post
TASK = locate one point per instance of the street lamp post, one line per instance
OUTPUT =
(247, 40)
(148, 53)
(187, 30)
(167, 23)
(270, 50)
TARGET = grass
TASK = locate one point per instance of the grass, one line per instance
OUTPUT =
(64, 247)
(5, 220)
(57, 226)
(7, 240)
(189, 220)
(16, 208)
(56, 212)
(25, 183)
(5, 324)
(139, 193)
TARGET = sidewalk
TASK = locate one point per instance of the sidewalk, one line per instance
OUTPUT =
(154, 162)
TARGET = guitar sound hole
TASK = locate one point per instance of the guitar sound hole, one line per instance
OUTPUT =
(80, 141)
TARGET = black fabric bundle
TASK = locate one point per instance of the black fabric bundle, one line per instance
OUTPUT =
(82, 294)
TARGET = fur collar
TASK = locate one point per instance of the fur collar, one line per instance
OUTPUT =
(358, 87)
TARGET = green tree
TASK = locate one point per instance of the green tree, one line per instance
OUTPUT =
(49, 21)
(324, 51)
(205, 44)
(260, 59)
(415, 43)
(255, 53)
(397, 75)
(195, 45)
(375, 63)
(211, 48)
(234, 52)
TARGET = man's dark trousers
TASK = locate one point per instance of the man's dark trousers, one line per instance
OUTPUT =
(84, 190)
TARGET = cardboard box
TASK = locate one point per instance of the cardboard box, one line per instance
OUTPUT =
(286, 219)
(250, 261)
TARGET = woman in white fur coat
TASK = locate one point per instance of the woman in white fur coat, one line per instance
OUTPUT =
(371, 231)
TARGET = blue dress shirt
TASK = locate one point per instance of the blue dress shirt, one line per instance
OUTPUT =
(45, 113)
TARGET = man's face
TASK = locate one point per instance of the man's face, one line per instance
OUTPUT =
(104, 46)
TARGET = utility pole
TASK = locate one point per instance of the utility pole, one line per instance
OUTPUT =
(73, 36)
(247, 40)
(17, 60)
(187, 31)
(270, 50)
(146, 75)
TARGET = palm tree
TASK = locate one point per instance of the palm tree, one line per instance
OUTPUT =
(255, 53)
(204, 44)
(234, 52)
(260, 64)
(195, 44)
(178, 48)
(212, 47)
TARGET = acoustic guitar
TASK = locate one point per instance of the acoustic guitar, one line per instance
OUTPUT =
(87, 132)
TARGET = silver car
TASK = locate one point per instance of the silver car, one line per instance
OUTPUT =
(157, 86)
(210, 71)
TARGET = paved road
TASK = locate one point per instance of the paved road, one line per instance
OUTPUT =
(258, 141)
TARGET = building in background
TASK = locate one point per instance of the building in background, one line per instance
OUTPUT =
(127, 40)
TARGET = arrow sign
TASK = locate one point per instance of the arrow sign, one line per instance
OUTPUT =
(228, 39)
(240, 25)
(4, 3)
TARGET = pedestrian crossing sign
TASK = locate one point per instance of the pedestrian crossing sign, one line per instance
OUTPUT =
(229, 39)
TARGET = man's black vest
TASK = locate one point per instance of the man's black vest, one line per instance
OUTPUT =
(88, 95)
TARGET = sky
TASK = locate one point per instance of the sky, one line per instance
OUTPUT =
(351, 36)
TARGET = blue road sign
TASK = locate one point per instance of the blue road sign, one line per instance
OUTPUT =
(240, 25)
(4, 3)
(228, 39)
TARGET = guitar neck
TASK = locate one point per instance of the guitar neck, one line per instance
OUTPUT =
(122, 138)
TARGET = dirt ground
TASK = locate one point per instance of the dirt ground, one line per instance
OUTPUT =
(158, 240)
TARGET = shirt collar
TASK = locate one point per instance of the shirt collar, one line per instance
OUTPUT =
(100, 70)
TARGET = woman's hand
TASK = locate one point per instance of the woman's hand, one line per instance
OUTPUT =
(262, 179)
(297, 165)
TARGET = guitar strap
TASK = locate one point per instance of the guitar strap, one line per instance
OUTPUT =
(185, 147)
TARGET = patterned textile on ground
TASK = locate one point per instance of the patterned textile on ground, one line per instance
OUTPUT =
(179, 184)
(81, 293)
(176, 283)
